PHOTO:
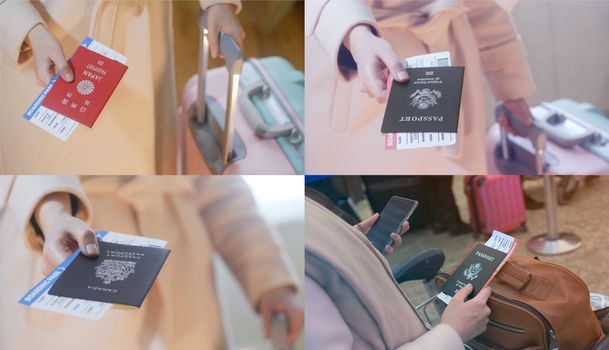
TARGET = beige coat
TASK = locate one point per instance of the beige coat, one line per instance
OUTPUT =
(343, 124)
(136, 132)
(197, 216)
(385, 319)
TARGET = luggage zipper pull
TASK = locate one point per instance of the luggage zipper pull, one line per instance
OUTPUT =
(553, 341)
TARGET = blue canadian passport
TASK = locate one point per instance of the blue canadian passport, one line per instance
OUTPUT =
(121, 274)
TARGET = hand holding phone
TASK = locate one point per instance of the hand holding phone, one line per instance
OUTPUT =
(392, 217)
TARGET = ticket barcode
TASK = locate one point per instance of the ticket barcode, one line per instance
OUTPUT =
(442, 62)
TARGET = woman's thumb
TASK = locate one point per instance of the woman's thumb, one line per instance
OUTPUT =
(463, 293)
(87, 241)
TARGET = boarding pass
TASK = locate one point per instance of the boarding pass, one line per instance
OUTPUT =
(97, 70)
(39, 298)
(399, 141)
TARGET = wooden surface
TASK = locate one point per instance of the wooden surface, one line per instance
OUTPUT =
(272, 28)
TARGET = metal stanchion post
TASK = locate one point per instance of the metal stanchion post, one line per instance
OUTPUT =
(553, 242)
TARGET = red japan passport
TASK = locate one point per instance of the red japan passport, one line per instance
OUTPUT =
(95, 78)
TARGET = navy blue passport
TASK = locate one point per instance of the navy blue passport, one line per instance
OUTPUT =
(477, 269)
(428, 102)
(121, 274)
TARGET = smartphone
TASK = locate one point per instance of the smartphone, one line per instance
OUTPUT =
(396, 211)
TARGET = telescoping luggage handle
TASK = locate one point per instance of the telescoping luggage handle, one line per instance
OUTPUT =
(208, 116)
(534, 133)
(279, 332)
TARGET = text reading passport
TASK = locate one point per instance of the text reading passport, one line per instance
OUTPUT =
(121, 274)
(95, 78)
(478, 268)
(428, 102)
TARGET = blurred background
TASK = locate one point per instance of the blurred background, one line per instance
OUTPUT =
(272, 28)
(280, 200)
(567, 47)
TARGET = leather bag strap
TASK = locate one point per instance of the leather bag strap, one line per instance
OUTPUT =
(524, 281)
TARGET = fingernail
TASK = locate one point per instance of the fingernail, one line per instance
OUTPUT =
(92, 249)
(69, 76)
(402, 75)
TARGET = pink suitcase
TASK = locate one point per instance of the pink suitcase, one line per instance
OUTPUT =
(212, 141)
(495, 202)
(552, 158)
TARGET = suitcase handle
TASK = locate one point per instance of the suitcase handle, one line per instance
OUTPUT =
(278, 93)
(233, 58)
(534, 133)
(254, 118)
(279, 332)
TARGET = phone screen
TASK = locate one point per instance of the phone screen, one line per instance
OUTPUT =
(396, 211)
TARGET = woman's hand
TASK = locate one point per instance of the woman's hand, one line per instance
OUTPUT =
(48, 56)
(468, 318)
(376, 61)
(221, 18)
(520, 109)
(364, 227)
(282, 301)
(63, 233)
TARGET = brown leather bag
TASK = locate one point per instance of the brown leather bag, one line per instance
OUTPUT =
(537, 305)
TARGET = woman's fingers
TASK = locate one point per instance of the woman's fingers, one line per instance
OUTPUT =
(405, 227)
(388, 250)
(397, 239)
(463, 293)
(85, 237)
(222, 19)
(60, 62)
(44, 71)
(54, 253)
(295, 324)
(372, 83)
(393, 63)
(503, 121)
(365, 225)
(213, 36)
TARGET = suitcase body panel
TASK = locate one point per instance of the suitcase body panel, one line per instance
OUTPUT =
(564, 161)
(571, 161)
(272, 97)
(496, 202)
(264, 156)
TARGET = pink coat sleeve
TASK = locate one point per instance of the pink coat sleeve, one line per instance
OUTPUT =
(28, 191)
(17, 18)
(326, 329)
(330, 20)
(501, 51)
(207, 3)
(440, 337)
(242, 238)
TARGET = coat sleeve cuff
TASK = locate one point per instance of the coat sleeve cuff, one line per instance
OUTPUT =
(507, 70)
(17, 18)
(270, 269)
(440, 337)
(205, 4)
(27, 193)
(335, 20)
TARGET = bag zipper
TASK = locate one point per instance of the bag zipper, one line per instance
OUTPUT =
(551, 334)
(506, 327)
